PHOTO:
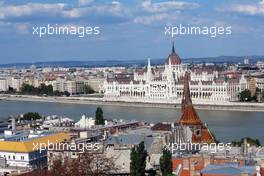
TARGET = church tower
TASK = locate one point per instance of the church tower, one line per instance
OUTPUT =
(189, 116)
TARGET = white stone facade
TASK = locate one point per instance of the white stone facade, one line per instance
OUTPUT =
(204, 87)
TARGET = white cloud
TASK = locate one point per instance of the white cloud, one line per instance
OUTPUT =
(85, 2)
(151, 18)
(148, 6)
(29, 9)
(61, 10)
(249, 9)
(115, 8)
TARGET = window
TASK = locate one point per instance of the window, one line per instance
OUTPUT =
(14, 157)
(22, 157)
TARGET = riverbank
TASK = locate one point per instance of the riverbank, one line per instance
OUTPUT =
(221, 106)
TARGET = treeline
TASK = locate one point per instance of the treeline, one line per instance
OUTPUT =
(41, 90)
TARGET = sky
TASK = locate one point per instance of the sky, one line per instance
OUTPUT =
(128, 29)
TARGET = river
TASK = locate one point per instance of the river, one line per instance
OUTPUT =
(226, 125)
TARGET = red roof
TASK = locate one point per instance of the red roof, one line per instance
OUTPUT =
(174, 58)
(206, 136)
(190, 117)
(161, 127)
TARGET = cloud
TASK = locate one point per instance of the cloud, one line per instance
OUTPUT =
(60, 9)
(28, 9)
(248, 9)
(85, 2)
(146, 20)
(113, 12)
(148, 6)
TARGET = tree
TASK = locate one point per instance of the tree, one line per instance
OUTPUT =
(31, 116)
(245, 95)
(42, 89)
(28, 89)
(87, 164)
(57, 168)
(99, 117)
(138, 157)
(166, 163)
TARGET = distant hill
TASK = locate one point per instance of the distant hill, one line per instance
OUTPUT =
(125, 62)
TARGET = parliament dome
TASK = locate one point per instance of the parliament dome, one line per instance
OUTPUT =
(173, 57)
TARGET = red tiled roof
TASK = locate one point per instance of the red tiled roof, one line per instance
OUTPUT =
(206, 136)
(176, 162)
(161, 127)
(190, 117)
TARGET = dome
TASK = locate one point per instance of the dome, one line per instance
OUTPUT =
(175, 59)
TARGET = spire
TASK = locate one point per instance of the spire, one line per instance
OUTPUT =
(149, 72)
(149, 66)
(186, 100)
(189, 115)
(173, 49)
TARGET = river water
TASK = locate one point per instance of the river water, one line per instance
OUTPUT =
(226, 125)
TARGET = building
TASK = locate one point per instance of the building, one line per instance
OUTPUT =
(16, 83)
(252, 86)
(71, 86)
(230, 169)
(3, 85)
(95, 83)
(165, 85)
(27, 149)
(85, 122)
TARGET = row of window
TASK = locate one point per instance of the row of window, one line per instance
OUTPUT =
(13, 157)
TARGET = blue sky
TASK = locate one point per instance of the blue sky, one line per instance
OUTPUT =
(128, 29)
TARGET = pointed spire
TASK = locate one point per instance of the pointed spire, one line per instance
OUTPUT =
(149, 66)
(149, 72)
(186, 100)
(173, 49)
(189, 115)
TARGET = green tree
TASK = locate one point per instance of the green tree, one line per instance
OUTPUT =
(245, 95)
(27, 89)
(99, 116)
(138, 157)
(31, 116)
(166, 163)
(42, 89)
